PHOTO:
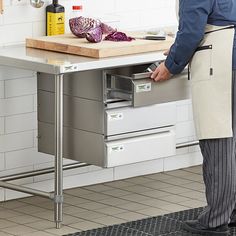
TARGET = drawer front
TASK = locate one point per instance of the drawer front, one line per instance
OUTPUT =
(147, 92)
(142, 91)
(138, 149)
(129, 119)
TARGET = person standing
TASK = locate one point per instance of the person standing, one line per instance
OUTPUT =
(217, 134)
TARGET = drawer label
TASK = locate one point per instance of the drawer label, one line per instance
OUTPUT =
(70, 68)
(115, 116)
(117, 148)
(147, 87)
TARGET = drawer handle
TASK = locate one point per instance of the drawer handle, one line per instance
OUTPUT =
(144, 75)
(187, 144)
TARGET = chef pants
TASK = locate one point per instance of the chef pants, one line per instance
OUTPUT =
(219, 175)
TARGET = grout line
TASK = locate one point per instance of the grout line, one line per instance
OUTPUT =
(109, 196)
(134, 201)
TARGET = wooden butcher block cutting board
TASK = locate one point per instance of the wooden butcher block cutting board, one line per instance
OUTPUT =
(68, 43)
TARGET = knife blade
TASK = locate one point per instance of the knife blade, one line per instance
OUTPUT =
(152, 37)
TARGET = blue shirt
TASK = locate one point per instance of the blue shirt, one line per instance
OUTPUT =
(193, 17)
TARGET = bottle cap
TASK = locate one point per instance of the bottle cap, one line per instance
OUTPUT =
(77, 7)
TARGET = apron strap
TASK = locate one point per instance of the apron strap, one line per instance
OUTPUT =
(227, 27)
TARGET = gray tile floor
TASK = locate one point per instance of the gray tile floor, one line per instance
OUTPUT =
(106, 204)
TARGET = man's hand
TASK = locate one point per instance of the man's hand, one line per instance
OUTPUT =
(166, 53)
(161, 73)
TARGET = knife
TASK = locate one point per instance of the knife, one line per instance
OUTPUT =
(152, 37)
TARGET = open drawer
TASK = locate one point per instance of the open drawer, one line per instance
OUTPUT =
(134, 85)
(140, 148)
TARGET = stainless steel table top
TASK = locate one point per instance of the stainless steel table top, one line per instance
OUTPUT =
(58, 63)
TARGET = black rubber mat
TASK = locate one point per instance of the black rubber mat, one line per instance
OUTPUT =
(166, 225)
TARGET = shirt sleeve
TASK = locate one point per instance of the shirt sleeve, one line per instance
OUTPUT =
(193, 16)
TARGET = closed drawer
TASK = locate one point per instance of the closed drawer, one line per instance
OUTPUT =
(142, 148)
(93, 149)
(131, 119)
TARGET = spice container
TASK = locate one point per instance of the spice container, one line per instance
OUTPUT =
(76, 11)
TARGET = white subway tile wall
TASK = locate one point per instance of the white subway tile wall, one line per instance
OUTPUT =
(2, 194)
(142, 168)
(16, 141)
(17, 105)
(7, 73)
(20, 123)
(2, 125)
(20, 87)
(2, 161)
(18, 100)
(2, 93)
(20, 20)
(25, 157)
(1, 20)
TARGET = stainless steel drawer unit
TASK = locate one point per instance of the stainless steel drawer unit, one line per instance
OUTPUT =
(112, 117)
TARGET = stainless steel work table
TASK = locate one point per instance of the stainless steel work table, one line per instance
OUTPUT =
(59, 64)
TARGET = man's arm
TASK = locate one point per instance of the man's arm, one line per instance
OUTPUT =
(193, 17)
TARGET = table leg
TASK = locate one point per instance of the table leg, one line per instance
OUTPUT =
(58, 193)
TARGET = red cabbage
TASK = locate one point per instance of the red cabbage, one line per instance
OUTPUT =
(94, 35)
(106, 29)
(118, 36)
(80, 26)
(89, 28)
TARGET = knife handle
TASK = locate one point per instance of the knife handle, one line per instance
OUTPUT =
(155, 37)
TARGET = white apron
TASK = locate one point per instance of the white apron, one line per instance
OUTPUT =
(177, 9)
(211, 83)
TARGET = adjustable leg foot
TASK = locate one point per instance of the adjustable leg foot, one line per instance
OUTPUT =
(58, 225)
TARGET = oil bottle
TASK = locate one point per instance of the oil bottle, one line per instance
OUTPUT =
(55, 19)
